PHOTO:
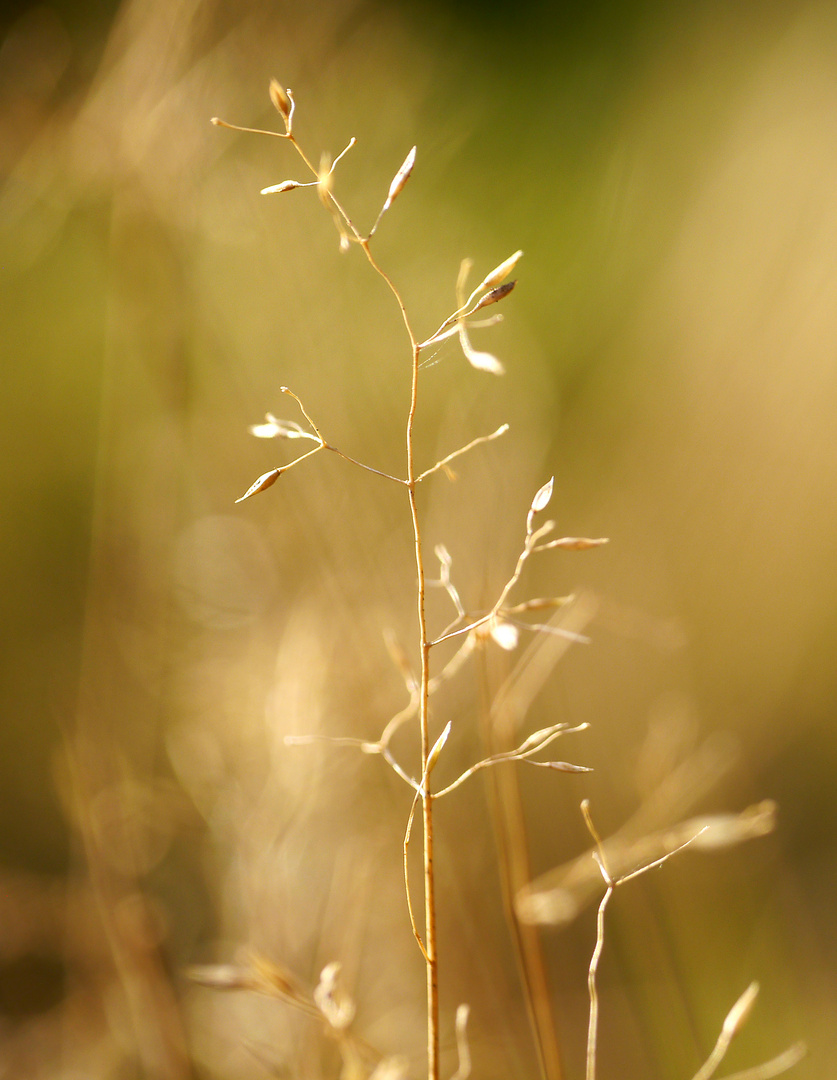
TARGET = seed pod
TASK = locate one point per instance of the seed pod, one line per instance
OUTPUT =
(575, 543)
(277, 189)
(499, 273)
(265, 481)
(495, 295)
(543, 496)
(281, 102)
(436, 749)
(737, 1016)
(400, 179)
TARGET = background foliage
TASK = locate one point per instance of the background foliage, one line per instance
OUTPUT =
(668, 170)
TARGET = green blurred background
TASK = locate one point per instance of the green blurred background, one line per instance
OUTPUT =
(668, 169)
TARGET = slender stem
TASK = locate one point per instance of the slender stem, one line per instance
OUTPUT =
(463, 450)
(593, 1023)
(429, 900)
(462, 629)
(416, 934)
(592, 971)
(218, 122)
(426, 796)
(412, 481)
(429, 950)
(307, 454)
(413, 343)
(360, 465)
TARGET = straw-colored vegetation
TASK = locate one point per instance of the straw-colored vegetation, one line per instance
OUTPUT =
(472, 631)
(213, 714)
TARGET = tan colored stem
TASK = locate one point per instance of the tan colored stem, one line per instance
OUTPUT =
(515, 872)
(429, 949)
(424, 720)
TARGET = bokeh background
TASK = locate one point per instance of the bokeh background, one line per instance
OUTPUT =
(668, 169)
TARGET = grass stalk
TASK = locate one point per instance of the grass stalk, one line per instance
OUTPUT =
(526, 903)
(430, 951)
(413, 479)
(285, 105)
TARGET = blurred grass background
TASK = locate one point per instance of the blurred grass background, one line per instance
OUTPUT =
(668, 170)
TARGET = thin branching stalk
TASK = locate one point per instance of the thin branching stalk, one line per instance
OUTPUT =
(445, 461)
(429, 946)
(525, 905)
(499, 623)
(592, 972)
(611, 884)
(424, 721)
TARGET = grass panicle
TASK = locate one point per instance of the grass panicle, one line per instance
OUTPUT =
(554, 624)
